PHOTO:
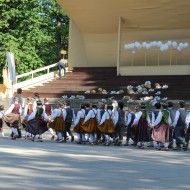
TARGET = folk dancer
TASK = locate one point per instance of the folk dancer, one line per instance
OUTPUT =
(180, 125)
(1, 120)
(87, 109)
(48, 110)
(69, 116)
(161, 125)
(29, 108)
(172, 111)
(187, 135)
(78, 125)
(120, 124)
(13, 118)
(142, 120)
(90, 124)
(107, 124)
(37, 122)
(100, 112)
(129, 124)
(57, 122)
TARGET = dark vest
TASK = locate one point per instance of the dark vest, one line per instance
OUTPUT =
(182, 117)
(132, 119)
(101, 113)
(87, 110)
(156, 112)
(121, 118)
(69, 116)
(172, 112)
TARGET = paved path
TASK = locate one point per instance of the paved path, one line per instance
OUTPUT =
(27, 165)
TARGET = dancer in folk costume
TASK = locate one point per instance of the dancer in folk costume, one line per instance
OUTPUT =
(78, 125)
(172, 111)
(129, 124)
(187, 129)
(90, 124)
(36, 99)
(107, 124)
(115, 112)
(100, 112)
(13, 118)
(87, 109)
(37, 122)
(69, 116)
(161, 126)
(1, 120)
(48, 110)
(29, 108)
(142, 120)
(180, 125)
(120, 124)
(57, 122)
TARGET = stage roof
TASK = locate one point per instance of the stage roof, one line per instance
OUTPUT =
(101, 16)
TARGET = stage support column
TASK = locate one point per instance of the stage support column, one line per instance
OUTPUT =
(119, 45)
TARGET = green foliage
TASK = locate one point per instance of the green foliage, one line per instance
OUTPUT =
(34, 30)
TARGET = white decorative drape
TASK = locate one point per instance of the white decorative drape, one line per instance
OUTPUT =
(11, 66)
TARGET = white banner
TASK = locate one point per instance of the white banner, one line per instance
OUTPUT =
(11, 66)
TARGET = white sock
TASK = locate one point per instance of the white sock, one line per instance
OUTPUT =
(166, 144)
(59, 135)
(51, 131)
(91, 138)
(83, 137)
(78, 136)
(14, 130)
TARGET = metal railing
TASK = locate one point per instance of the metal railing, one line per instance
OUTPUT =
(31, 73)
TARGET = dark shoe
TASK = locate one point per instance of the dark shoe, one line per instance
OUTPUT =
(64, 140)
(150, 144)
(170, 145)
(177, 148)
(107, 144)
(127, 144)
(165, 149)
(40, 139)
(184, 144)
(72, 138)
(79, 142)
(116, 142)
(59, 141)
(52, 137)
(186, 147)
(134, 144)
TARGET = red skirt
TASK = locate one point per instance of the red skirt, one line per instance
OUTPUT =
(161, 133)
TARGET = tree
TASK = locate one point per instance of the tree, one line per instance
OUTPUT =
(34, 30)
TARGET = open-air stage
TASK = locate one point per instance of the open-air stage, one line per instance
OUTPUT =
(48, 165)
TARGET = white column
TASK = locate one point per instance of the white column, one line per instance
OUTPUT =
(119, 45)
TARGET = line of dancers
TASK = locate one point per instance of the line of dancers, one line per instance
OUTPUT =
(101, 123)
